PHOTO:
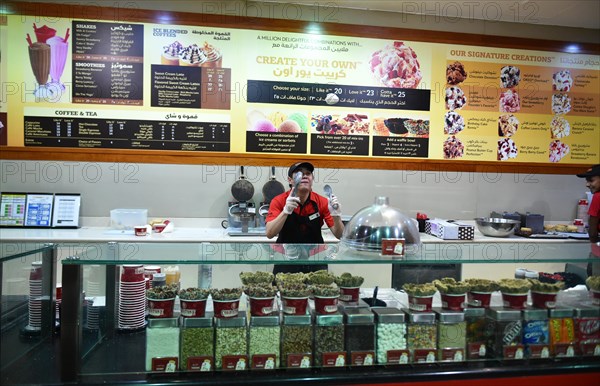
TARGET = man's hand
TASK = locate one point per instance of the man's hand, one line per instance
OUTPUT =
(291, 203)
(334, 206)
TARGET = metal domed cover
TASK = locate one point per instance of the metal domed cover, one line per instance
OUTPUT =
(370, 225)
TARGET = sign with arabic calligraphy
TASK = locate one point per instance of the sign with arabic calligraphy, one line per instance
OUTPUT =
(195, 88)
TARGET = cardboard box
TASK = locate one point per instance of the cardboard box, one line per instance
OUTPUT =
(449, 230)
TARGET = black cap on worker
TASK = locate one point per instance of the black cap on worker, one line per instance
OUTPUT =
(299, 165)
(591, 172)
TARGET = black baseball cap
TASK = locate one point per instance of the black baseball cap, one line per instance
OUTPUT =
(591, 172)
(299, 165)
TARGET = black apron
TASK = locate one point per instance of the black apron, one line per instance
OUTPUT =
(301, 230)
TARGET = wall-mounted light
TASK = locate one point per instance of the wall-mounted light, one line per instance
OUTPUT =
(572, 48)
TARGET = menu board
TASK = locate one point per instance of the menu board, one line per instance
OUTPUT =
(12, 209)
(145, 86)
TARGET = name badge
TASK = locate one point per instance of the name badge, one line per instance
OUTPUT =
(313, 216)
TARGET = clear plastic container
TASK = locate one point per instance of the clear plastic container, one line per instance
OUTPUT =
(476, 340)
(230, 339)
(391, 334)
(504, 333)
(296, 341)
(197, 343)
(535, 333)
(264, 338)
(587, 330)
(359, 336)
(451, 335)
(421, 336)
(162, 341)
(329, 337)
(562, 332)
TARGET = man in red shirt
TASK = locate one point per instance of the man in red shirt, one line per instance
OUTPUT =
(298, 216)
(592, 177)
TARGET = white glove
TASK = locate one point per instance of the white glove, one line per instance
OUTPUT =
(334, 206)
(291, 203)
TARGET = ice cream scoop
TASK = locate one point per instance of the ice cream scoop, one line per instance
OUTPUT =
(297, 179)
(329, 192)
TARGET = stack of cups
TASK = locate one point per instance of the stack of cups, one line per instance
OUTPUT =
(35, 296)
(132, 298)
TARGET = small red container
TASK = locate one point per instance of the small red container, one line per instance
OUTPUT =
(515, 301)
(420, 303)
(453, 302)
(261, 306)
(326, 305)
(294, 306)
(193, 308)
(140, 230)
(36, 271)
(349, 294)
(226, 308)
(132, 273)
(158, 228)
(161, 308)
(543, 299)
(479, 299)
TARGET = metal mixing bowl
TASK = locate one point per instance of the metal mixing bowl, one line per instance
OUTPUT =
(496, 227)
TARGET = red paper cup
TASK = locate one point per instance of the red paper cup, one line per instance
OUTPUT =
(515, 301)
(226, 308)
(543, 299)
(453, 302)
(479, 299)
(36, 271)
(161, 308)
(158, 228)
(58, 291)
(326, 305)
(294, 306)
(349, 294)
(595, 297)
(193, 308)
(261, 306)
(140, 230)
(132, 273)
(420, 303)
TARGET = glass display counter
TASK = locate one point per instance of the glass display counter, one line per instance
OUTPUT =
(94, 349)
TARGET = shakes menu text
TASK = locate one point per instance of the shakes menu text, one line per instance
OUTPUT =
(98, 84)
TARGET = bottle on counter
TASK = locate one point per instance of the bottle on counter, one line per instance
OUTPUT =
(264, 338)
(536, 336)
(359, 336)
(476, 339)
(391, 336)
(504, 333)
(197, 344)
(231, 343)
(451, 335)
(421, 336)
(297, 341)
(329, 340)
(162, 345)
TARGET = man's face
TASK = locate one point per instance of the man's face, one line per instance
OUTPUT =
(593, 183)
(307, 179)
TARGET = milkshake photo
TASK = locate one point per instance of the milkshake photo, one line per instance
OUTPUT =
(48, 56)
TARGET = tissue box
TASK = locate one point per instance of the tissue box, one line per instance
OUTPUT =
(128, 218)
(449, 230)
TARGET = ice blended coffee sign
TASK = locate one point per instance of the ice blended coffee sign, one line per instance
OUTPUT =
(108, 61)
